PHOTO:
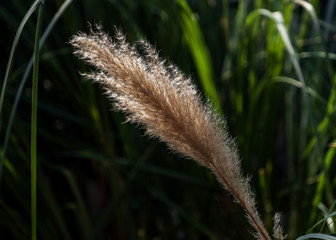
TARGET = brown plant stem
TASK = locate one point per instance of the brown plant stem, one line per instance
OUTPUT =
(250, 211)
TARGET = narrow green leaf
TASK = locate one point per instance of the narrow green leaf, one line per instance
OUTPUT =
(194, 38)
(298, 84)
(24, 80)
(34, 123)
(11, 54)
(318, 236)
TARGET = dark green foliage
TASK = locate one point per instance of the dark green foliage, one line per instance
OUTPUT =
(98, 178)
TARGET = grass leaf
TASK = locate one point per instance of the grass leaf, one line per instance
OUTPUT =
(34, 123)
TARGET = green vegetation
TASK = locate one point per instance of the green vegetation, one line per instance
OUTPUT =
(268, 66)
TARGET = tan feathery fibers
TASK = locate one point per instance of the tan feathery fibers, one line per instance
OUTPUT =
(159, 98)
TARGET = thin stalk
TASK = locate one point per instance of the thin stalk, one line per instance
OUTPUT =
(11, 54)
(24, 80)
(250, 211)
(33, 124)
(9, 66)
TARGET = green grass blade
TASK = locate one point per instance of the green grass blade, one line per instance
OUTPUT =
(11, 54)
(298, 84)
(193, 36)
(316, 141)
(310, 9)
(283, 32)
(321, 129)
(318, 236)
(322, 221)
(331, 56)
(24, 80)
(328, 220)
(277, 17)
(322, 181)
(34, 123)
(278, 20)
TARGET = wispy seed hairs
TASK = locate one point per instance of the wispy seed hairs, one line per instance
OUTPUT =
(159, 98)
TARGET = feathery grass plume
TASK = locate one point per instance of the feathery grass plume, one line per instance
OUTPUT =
(159, 98)
(277, 229)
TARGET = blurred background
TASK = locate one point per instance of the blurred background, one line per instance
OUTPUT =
(267, 66)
